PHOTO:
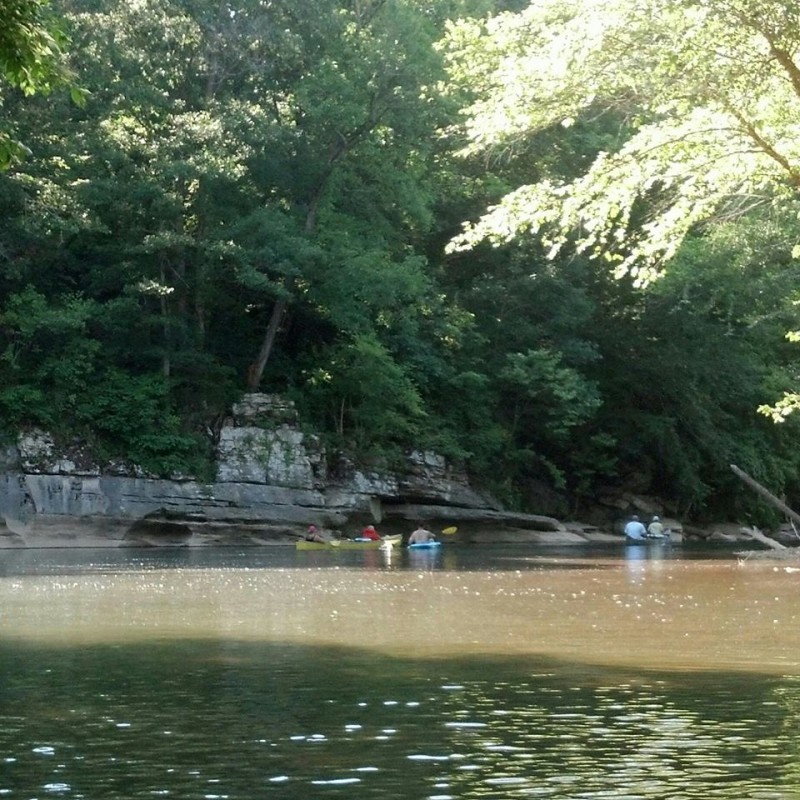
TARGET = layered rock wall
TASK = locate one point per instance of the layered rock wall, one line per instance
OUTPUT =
(271, 482)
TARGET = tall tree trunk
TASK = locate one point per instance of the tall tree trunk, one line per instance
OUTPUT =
(166, 366)
(200, 319)
(339, 148)
(256, 370)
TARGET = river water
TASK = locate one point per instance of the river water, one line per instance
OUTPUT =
(472, 672)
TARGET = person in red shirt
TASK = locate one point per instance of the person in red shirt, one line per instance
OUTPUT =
(313, 534)
(370, 533)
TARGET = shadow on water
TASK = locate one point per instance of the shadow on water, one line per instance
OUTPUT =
(475, 674)
(234, 719)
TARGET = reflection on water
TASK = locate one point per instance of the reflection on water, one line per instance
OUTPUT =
(644, 559)
(231, 720)
(534, 675)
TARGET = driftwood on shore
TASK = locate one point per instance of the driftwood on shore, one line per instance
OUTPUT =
(756, 534)
(767, 495)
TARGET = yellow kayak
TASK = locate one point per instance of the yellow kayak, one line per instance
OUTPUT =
(349, 544)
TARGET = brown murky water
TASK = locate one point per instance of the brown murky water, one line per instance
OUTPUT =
(674, 614)
(464, 674)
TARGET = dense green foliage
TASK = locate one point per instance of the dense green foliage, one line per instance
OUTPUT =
(259, 196)
(31, 60)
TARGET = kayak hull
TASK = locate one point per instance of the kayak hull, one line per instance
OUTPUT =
(649, 540)
(425, 546)
(348, 544)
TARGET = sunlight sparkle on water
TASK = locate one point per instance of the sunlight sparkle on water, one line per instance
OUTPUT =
(537, 682)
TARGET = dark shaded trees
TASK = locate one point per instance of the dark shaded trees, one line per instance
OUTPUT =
(258, 196)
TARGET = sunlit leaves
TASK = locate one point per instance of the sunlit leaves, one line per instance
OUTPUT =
(32, 60)
(31, 47)
(780, 411)
(682, 74)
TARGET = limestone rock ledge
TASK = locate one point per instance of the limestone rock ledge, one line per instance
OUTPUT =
(272, 481)
(38, 508)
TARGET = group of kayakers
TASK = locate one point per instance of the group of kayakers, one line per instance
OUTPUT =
(636, 531)
(419, 536)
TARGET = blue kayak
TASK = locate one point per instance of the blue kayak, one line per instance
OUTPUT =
(424, 545)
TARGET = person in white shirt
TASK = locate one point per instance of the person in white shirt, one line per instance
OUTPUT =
(634, 530)
(655, 530)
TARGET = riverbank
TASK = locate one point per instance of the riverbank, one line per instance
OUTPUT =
(50, 511)
(272, 481)
(62, 531)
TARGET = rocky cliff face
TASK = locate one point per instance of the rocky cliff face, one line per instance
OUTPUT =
(271, 482)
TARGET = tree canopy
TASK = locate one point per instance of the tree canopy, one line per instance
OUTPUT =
(31, 60)
(705, 94)
(260, 196)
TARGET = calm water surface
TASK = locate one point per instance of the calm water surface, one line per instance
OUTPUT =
(468, 673)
